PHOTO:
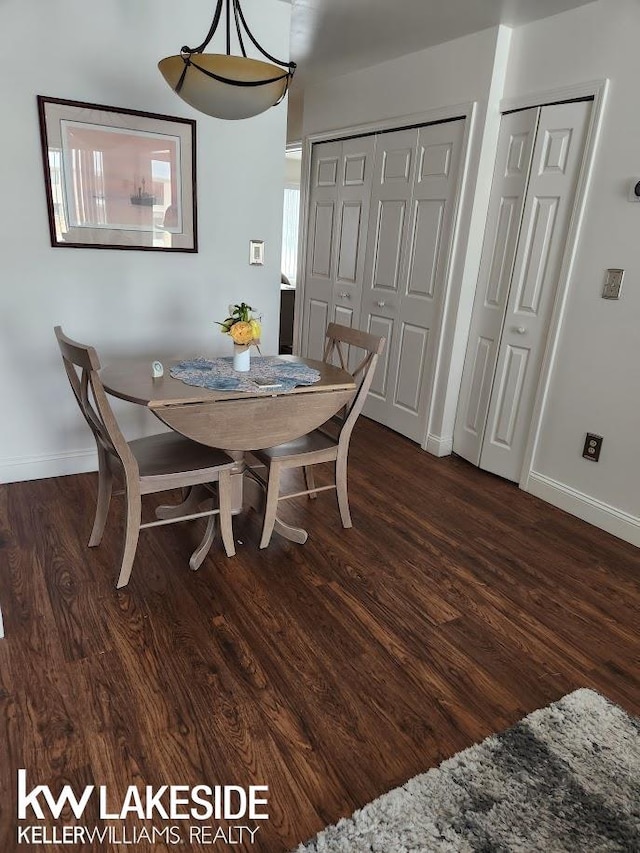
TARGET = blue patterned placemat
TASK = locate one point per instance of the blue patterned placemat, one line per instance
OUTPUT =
(218, 374)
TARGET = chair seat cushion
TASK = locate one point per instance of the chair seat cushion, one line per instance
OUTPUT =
(310, 443)
(171, 453)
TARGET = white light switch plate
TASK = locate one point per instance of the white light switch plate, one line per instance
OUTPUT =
(256, 252)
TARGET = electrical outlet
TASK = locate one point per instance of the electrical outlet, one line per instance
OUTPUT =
(592, 447)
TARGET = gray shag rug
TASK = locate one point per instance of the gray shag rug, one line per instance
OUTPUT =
(566, 778)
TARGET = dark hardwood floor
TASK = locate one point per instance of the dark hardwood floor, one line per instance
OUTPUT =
(330, 672)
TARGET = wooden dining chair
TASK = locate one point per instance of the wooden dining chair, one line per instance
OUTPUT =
(156, 463)
(329, 443)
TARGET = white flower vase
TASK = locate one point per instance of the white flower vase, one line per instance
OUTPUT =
(241, 358)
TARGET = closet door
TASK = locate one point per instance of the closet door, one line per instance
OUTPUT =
(531, 203)
(320, 260)
(557, 159)
(336, 237)
(354, 196)
(410, 231)
(393, 177)
(510, 179)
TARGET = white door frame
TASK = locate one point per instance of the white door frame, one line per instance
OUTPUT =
(597, 89)
(466, 112)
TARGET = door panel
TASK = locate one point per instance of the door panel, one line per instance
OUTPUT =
(355, 169)
(397, 162)
(413, 348)
(337, 219)
(508, 189)
(322, 240)
(425, 247)
(327, 169)
(354, 193)
(557, 159)
(503, 252)
(509, 393)
(382, 326)
(538, 244)
(349, 239)
(343, 316)
(414, 188)
(481, 369)
(316, 326)
(388, 243)
(321, 216)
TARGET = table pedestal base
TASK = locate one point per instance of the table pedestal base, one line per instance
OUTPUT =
(256, 498)
(246, 492)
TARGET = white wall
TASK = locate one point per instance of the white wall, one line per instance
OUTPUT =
(295, 109)
(292, 167)
(595, 385)
(453, 73)
(121, 301)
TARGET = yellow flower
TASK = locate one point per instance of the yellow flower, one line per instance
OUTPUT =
(241, 332)
(241, 325)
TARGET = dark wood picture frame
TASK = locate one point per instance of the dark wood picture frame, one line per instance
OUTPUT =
(118, 178)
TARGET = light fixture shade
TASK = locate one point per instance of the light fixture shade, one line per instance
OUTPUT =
(225, 100)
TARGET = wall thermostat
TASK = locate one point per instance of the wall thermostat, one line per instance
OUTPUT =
(157, 370)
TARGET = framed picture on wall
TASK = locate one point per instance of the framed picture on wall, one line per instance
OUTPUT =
(118, 178)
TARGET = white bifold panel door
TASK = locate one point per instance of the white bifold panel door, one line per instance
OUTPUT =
(413, 195)
(539, 156)
(340, 191)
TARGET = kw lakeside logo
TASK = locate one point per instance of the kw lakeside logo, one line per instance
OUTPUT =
(202, 803)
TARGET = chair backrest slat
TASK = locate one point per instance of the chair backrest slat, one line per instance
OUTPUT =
(82, 364)
(339, 336)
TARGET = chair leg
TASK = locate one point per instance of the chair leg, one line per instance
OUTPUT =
(341, 489)
(271, 507)
(310, 481)
(225, 507)
(132, 531)
(105, 480)
(196, 559)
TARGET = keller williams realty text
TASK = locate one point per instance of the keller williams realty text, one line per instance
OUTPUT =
(166, 802)
(200, 834)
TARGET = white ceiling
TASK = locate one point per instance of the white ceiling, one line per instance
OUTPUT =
(330, 37)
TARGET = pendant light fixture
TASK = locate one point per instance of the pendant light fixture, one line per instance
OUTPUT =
(224, 85)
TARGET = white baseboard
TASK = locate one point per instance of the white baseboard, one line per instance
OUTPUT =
(17, 469)
(615, 521)
(438, 445)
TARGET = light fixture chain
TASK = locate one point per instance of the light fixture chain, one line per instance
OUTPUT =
(238, 30)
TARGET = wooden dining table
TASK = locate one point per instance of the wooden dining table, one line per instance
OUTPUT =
(236, 421)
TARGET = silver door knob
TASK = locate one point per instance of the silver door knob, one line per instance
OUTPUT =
(380, 304)
(521, 330)
(344, 295)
